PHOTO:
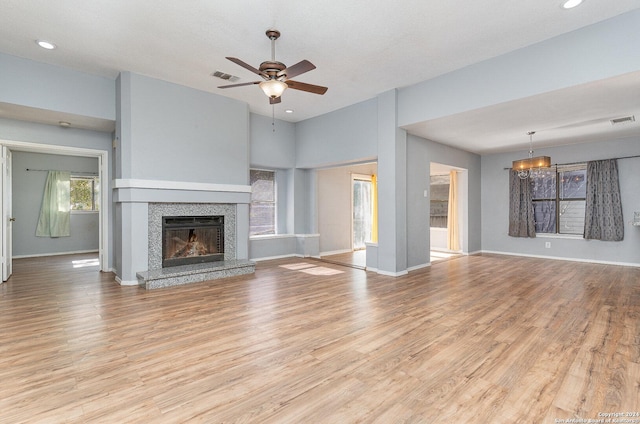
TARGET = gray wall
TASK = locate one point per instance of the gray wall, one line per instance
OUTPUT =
(176, 133)
(28, 187)
(28, 83)
(495, 205)
(334, 205)
(346, 135)
(272, 149)
(595, 52)
(56, 136)
(420, 153)
(275, 151)
(173, 133)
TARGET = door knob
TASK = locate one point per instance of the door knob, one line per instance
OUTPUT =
(12, 219)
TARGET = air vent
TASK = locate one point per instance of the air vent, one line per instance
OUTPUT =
(225, 76)
(622, 120)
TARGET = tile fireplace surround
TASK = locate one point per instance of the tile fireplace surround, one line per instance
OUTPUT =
(158, 277)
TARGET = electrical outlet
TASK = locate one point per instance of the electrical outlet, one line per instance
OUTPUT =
(547, 245)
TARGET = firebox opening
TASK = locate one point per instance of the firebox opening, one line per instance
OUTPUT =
(192, 239)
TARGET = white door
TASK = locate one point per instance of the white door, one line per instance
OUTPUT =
(7, 219)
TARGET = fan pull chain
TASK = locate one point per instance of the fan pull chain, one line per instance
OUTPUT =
(273, 117)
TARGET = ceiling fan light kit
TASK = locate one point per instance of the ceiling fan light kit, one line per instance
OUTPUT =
(273, 88)
(276, 74)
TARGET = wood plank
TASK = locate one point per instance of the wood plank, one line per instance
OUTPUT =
(471, 339)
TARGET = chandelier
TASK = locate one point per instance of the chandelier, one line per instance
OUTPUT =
(528, 168)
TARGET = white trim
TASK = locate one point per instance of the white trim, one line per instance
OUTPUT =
(25, 146)
(103, 172)
(438, 249)
(292, 255)
(179, 185)
(589, 261)
(271, 236)
(44, 255)
(361, 177)
(336, 252)
(417, 267)
(370, 268)
(270, 258)
(281, 236)
(560, 236)
(392, 274)
(126, 282)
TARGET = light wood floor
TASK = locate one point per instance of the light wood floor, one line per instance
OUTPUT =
(479, 339)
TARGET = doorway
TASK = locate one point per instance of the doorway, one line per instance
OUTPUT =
(448, 194)
(103, 214)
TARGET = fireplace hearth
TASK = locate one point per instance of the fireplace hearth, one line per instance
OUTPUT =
(192, 240)
(160, 276)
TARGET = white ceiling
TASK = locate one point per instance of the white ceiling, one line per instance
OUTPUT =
(361, 48)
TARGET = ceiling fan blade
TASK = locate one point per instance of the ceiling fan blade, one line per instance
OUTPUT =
(239, 85)
(297, 69)
(316, 89)
(247, 66)
(274, 100)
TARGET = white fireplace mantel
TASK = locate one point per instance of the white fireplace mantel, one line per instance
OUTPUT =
(137, 190)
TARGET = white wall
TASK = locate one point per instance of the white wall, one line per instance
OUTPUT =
(495, 206)
(334, 205)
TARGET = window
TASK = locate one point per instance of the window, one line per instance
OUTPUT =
(262, 211)
(85, 193)
(362, 210)
(559, 199)
(439, 202)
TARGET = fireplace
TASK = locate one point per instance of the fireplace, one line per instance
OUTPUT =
(192, 240)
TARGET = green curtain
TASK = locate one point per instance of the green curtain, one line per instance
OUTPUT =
(56, 201)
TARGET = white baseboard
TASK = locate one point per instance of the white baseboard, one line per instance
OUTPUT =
(126, 282)
(271, 258)
(42, 255)
(417, 267)
(589, 261)
(392, 274)
(336, 252)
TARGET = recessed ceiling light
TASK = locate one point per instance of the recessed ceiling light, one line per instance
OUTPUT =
(46, 44)
(288, 111)
(570, 4)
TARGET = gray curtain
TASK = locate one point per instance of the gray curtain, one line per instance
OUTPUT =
(603, 216)
(521, 219)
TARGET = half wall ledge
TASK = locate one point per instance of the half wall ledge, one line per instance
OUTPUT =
(195, 273)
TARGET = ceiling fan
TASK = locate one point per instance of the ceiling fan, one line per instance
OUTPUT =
(276, 74)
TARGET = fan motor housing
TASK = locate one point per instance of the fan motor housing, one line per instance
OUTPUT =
(272, 68)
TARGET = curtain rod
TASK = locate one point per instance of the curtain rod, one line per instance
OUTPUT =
(585, 161)
(72, 172)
